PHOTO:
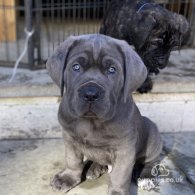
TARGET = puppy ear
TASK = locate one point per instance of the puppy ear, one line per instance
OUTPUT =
(142, 22)
(56, 63)
(135, 72)
(182, 26)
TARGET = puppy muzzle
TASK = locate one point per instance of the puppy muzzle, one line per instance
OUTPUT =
(91, 92)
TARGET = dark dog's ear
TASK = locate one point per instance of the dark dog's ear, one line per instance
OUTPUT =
(135, 72)
(182, 26)
(56, 63)
(143, 22)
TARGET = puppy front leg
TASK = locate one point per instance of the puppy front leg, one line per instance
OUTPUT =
(120, 176)
(71, 176)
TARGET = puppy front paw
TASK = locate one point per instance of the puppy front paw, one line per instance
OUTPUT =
(95, 171)
(64, 182)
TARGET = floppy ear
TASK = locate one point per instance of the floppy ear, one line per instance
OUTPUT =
(56, 63)
(183, 28)
(135, 72)
(143, 22)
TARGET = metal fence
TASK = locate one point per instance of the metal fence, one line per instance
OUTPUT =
(53, 21)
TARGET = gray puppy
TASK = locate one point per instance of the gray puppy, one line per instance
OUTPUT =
(97, 113)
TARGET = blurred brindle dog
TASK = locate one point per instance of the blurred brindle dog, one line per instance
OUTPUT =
(150, 28)
(98, 115)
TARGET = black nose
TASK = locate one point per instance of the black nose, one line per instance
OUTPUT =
(90, 93)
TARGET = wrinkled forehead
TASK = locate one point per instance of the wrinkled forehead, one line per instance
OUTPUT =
(97, 48)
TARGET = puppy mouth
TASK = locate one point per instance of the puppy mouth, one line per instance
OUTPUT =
(90, 114)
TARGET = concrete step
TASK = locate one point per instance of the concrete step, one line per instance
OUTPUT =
(26, 167)
(36, 117)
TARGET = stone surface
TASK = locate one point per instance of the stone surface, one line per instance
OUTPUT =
(26, 83)
(181, 148)
(28, 120)
(26, 167)
(170, 116)
(23, 118)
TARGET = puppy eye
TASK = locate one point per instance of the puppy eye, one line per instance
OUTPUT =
(76, 67)
(111, 70)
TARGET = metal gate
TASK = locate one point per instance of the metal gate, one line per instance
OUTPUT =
(53, 21)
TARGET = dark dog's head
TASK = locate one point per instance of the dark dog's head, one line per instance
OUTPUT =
(157, 32)
(97, 72)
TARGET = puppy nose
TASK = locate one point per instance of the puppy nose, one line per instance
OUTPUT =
(90, 93)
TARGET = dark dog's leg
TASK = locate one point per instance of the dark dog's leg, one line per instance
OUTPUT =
(71, 176)
(120, 176)
(96, 170)
(146, 86)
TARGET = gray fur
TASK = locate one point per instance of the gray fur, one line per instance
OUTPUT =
(108, 130)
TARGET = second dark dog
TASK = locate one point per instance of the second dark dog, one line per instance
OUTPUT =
(150, 28)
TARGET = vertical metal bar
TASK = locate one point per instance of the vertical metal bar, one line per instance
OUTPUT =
(79, 6)
(58, 21)
(52, 22)
(192, 22)
(29, 27)
(17, 32)
(173, 5)
(48, 28)
(94, 15)
(5, 28)
(84, 16)
(63, 18)
(74, 16)
(186, 8)
(179, 6)
(88, 15)
(97, 15)
(38, 14)
(69, 14)
(104, 6)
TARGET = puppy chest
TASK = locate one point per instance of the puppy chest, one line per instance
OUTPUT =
(90, 131)
(91, 140)
(101, 155)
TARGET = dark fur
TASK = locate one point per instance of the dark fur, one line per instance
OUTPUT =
(97, 113)
(151, 29)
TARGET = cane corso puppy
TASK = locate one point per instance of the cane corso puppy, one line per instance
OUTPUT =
(97, 113)
(150, 28)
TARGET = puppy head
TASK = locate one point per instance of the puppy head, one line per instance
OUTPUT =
(157, 32)
(96, 71)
